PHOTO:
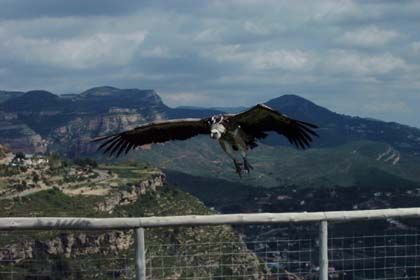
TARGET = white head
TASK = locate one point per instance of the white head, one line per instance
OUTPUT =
(217, 129)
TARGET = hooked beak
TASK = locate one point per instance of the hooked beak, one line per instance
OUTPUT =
(215, 134)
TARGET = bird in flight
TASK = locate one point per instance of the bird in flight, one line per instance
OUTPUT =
(236, 133)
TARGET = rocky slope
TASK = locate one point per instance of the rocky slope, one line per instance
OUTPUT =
(39, 121)
(131, 194)
(3, 151)
(112, 191)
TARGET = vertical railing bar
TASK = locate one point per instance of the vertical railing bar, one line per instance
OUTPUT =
(323, 250)
(140, 254)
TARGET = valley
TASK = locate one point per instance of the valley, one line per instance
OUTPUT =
(48, 167)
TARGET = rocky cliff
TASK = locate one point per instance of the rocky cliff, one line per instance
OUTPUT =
(39, 121)
(3, 151)
(131, 194)
(119, 191)
(68, 245)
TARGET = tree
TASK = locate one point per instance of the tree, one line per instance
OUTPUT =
(85, 162)
(20, 155)
(54, 161)
(35, 177)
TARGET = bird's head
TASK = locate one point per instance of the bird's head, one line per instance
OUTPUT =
(217, 129)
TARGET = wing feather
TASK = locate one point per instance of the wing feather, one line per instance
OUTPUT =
(261, 119)
(156, 132)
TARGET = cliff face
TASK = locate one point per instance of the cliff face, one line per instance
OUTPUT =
(96, 254)
(70, 245)
(3, 151)
(73, 138)
(39, 121)
(17, 135)
(143, 181)
(131, 194)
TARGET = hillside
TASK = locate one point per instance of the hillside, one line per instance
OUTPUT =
(229, 197)
(4, 95)
(358, 162)
(3, 151)
(336, 129)
(39, 121)
(65, 189)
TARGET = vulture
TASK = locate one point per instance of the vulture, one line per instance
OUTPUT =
(236, 133)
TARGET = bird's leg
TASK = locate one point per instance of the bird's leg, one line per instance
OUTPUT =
(247, 166)
(226, 146)
(238, 167)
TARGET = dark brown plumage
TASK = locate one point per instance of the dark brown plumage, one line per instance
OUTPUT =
(235, 132)
(155, 132)
(261, 119)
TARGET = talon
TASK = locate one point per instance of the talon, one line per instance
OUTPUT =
(238, 168)
(247, 166)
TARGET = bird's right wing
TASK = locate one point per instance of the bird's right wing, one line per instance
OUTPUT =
(156, 132)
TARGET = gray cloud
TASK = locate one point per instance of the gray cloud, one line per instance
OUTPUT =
(340, 54)
(21, 9)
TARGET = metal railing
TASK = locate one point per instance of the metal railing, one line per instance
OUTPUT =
(139, 224)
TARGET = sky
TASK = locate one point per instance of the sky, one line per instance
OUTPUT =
(353, 57)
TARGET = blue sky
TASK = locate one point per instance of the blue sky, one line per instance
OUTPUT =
(354, 57)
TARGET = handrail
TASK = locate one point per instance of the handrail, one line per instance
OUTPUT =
(66, 223)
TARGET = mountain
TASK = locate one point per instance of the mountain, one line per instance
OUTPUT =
(36, 100)
(349, 151)
(39, 121)
(4, 95)
(337, 129)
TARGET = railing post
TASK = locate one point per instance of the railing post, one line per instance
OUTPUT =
(140, 254)
(323, 250)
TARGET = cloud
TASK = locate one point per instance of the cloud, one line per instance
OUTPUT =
(381, 107)
(255, 28)
(79, 52)
(11, 9)
(217, 53)
(262, 59)
(281, 59)
(186, 98)
(341, 62)
(370, 36)
(415, 47)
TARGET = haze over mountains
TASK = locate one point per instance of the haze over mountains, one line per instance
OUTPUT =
(39, 121)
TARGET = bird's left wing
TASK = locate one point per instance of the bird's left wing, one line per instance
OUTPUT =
(156, 132)
(261, 118)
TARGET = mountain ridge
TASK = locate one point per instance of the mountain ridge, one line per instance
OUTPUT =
(67, 123)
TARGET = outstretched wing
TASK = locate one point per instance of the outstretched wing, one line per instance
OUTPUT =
(261, 119)
(156, 132)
